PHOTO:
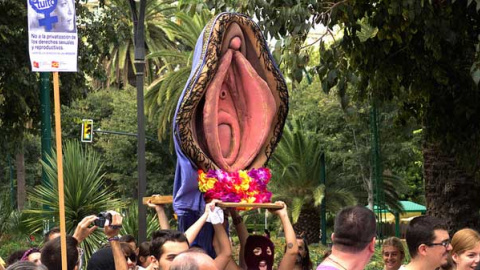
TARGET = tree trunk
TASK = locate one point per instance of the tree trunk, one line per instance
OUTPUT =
(451, 193)
(309, 224)
(21, 188)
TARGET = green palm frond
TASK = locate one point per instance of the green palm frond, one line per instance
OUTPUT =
(296, 164)
(296, 208)
(85, 190)
(337, 198)
(392, 187)
(164, 92)
(318, 195)
(121, 59)
(161, 98)
(130, 221)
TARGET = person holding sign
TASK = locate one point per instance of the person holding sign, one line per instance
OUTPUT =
(167, 244)
(257, 252)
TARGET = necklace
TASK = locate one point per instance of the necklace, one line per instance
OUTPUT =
(337, 263)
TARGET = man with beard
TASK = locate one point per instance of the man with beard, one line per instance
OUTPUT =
(353, 240)
(428, 243)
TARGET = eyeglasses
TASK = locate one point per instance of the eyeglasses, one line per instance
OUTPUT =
(443, 243)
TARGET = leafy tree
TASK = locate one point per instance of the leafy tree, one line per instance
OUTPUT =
(86, 193)
(12, 233)
(19, 102)
(423, 55)
(19, 91)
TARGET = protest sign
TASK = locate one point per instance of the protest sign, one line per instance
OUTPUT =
(52, 35)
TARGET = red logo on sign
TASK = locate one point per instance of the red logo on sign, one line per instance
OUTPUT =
(36, 64)
(55, 64)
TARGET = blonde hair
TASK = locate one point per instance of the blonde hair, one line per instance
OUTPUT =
(464, 240)
(396, 243)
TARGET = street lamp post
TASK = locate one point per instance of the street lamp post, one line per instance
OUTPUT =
(139, 37)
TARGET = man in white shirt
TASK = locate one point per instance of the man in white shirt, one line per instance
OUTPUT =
(428, 243)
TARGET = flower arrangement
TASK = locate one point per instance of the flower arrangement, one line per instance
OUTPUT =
(241, 186)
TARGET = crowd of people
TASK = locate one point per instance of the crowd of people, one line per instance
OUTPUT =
(353, 244)
(427, 240)
(430, 247)
(167, 249)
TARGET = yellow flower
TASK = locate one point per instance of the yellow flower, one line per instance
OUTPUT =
(211, 182)
(205, 183)
(243, 175)
(245, 180)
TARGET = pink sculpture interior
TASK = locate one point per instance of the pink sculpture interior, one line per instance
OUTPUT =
(239, 109)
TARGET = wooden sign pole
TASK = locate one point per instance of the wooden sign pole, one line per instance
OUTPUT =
(61, 201)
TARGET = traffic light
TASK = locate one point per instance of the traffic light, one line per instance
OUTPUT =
(87, 130)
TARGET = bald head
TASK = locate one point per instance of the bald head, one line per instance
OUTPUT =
(193, 260)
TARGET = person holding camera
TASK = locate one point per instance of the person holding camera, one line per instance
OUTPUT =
(111, 221)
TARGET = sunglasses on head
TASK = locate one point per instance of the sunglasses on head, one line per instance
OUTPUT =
(132, 257)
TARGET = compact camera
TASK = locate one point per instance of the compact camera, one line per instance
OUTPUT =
(102, 218)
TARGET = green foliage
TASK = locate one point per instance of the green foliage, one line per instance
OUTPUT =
(345, 137)
(9, 217)
(118, 51)
(85, 190)
(163, 93)
(115, 110)
(130, 221)
(13, 235)
(19, 91)
(19, 102)
(296, 162)
(423, 53)
(289, 22)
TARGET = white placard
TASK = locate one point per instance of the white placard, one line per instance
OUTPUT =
(52, 35)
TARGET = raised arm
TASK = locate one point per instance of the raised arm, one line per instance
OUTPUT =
(222, 246)
(192, 232)
(288, 260)
(162, 217)
(111, 231)
(242, 235)
(83, 229)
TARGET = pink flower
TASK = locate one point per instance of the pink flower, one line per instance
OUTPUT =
(240, 186)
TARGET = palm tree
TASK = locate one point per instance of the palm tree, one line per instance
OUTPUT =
(163, 93)
(86, 193)
(296, 165)
(130, 221)
(121, 52)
